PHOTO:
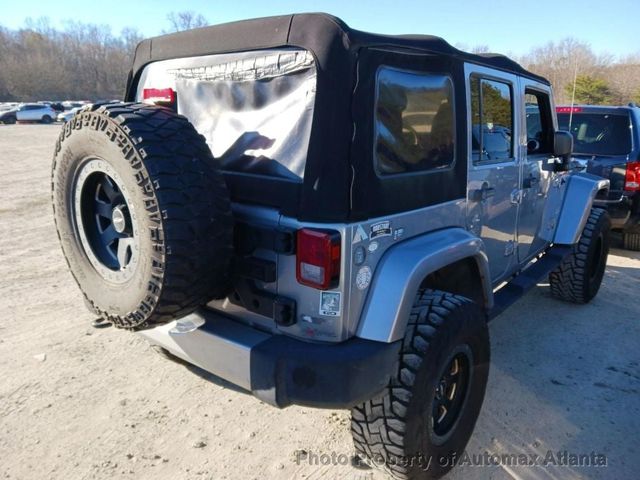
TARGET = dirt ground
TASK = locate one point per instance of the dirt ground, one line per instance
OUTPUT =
(81, 403)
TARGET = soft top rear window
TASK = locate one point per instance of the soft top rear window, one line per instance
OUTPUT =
(255, 108)
(598, 133)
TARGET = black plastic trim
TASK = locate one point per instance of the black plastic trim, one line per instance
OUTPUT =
(248, 237)
(286, 371)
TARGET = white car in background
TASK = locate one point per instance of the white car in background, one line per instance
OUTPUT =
(67, 114)
(36, 112)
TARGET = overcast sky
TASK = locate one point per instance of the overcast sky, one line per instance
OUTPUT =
(505, 26)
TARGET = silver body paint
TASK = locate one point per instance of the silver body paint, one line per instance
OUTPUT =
(402, 270)
(581, 190)
(501, 233)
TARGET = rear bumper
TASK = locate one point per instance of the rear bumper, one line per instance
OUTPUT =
(277, 369)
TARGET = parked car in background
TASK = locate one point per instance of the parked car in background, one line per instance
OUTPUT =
(8, 105)
(607, 143)
(35, 112)
(66, 115)
(8, 115)
(57, 106)
(69, 104)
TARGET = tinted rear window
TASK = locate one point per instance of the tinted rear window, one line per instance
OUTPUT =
(414, 123)
(598, 133)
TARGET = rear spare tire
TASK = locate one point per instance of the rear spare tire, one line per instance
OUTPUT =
(142, 213)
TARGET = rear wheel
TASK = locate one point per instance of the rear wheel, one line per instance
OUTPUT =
(142, 214)
(9, 120)
(578, 278)
(424, 419)
(47, 119)
(631, 241)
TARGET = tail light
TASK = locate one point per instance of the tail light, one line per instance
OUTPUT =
(632, 177)
(318, 258)
(159, 96)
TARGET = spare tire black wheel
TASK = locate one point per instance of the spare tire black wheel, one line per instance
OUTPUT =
(142, 213)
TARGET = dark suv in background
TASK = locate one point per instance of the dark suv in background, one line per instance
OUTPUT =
(607, 143)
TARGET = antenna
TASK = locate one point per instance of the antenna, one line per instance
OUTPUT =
(573, 94)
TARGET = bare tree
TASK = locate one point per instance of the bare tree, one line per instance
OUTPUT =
(624, 79)
(480, 49)
(86, 61)
(475, 49)
(186, 20)
(82, 61)
(559, 62)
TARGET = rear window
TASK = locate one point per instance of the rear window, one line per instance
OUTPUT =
(598, 133)
(254, 108)
(414, 123)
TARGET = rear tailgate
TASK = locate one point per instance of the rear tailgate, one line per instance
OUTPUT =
(603, 141)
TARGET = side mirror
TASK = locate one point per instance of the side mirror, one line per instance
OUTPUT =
(563, 147)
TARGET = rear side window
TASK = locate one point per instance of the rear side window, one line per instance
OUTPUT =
(598, 133)
(414, 122)
(491, 121)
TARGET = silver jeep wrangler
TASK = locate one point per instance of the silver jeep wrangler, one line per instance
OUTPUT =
(328, 217)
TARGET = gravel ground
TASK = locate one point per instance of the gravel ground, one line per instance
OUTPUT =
(81, 403)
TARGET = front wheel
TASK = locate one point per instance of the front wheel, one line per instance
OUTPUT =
(47, 119)
(423, 420)
(578, 278)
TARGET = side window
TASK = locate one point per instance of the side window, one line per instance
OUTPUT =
(414, 122)
(491, 121)
(539, 122)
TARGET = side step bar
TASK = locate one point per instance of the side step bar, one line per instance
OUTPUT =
(528, 278)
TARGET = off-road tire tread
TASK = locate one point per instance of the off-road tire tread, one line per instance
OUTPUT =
(193, 199)
(378, 426)
(631, 241)
(567, 281)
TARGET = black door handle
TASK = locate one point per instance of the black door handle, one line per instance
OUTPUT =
(530, 182)
(483, 193)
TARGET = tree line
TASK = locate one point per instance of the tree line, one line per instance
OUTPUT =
(78, 62)
(577, 72)
(89, 62)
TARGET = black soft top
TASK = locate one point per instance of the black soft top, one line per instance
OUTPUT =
(322, 34)
(339, 183)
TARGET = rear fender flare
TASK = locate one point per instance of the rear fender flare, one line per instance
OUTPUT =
(401, 271)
